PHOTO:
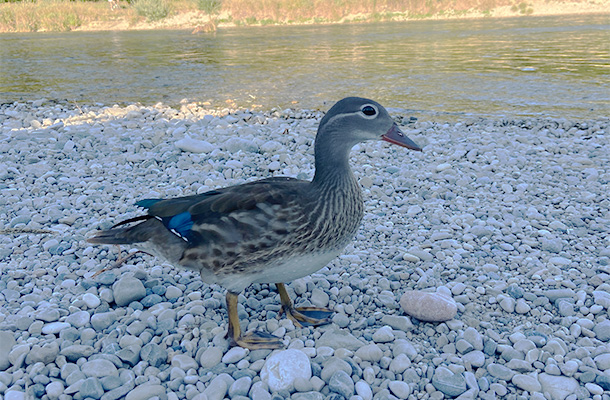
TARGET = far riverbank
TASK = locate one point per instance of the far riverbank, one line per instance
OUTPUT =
(63, 15)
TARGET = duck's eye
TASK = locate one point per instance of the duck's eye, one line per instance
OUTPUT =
(369, 110)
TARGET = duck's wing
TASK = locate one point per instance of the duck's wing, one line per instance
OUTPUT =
(232, 215)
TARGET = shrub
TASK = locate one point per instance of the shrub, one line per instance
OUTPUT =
(152, 10)
(71, 21)
(210, 7)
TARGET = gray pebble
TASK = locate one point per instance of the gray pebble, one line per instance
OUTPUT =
(218, 387)
(339, 339)
(54, 390)
(399, 389)
(602, 361)
(521, 307)
(464, 346)
(303, 385)
(210, 357)
(99, 368)
(341, 383)
(603, 380)
(519, 365)
(319, 298)
(44, 354)
(369, 352)
(154, 354)
(475, 358)
(79, 319)
(397, 322)
(383, 335)
(500, 371)
(259, 391)
(448, 382)
(341, 320)
(602, 330)
(472, 336)
(101, 321)
(527, 382)
(234, 355)
(332, 365)
(7, 341)
(555, 294)
(128, 289)
(308, 396)
(558, 387)
(91, 387)
(48, 314)
(554, 245)
(76, 351)
(183, 361)
(400, 363)
(147, 391)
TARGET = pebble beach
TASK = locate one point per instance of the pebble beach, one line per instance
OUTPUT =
(502, 226)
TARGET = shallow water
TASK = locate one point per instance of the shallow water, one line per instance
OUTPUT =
(530, 66)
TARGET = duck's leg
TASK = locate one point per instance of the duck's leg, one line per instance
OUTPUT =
(303, 316)
(253, 340)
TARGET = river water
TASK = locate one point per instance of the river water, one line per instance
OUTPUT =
(528, 66)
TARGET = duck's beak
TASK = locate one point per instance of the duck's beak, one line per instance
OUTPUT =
(395, 136)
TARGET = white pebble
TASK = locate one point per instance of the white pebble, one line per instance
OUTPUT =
(282, 368)
(91, 300)
(194, 145)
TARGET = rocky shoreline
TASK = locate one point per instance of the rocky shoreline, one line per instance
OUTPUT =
(509, 218)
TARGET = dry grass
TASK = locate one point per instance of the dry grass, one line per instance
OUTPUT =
(301, 10)
(65, 15)
(51, 15)
(285, 11)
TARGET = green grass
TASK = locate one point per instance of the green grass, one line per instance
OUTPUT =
(152, 10)
(210, 7)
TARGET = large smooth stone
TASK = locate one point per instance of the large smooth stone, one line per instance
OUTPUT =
(558, 387)
(282, 368)
(426, 306)
(128, 289)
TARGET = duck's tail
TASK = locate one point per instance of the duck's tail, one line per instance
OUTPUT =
(139, 233)
(150, 230)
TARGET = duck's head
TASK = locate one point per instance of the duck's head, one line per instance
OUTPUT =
(356, 119)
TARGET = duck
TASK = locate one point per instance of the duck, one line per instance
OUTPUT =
(269, 231)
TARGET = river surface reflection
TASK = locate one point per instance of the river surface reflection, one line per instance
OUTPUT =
(530, 66)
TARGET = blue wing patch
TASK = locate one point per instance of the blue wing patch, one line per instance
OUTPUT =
(180, 224)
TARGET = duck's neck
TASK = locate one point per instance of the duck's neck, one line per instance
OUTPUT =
(338, 198)
(332, 163)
